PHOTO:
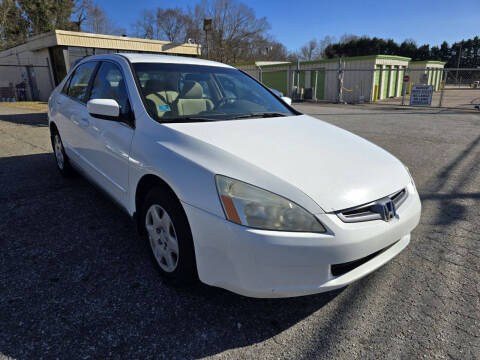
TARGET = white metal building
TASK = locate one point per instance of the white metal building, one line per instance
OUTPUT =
(365, 78)
(427, 72)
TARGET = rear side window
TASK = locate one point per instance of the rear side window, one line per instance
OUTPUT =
(79, 81)
(109, 84)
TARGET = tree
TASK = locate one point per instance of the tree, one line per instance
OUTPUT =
(235, 28)
(309, 50)
(145, 26)
(163, 24)
(236, 34)
(96, 20)
(47, 15)
(444, 51)
(172, 24)
(313, 50)
(79, 14)
(13, 27)
(408, 48)
(346, 38)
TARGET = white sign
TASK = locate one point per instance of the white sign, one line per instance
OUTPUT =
(421, 95)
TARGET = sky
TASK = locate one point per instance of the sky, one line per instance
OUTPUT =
(293, 23)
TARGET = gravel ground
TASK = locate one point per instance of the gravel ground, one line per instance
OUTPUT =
(76, 282)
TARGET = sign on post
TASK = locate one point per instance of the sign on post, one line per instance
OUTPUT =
(421, 95)
(406, 78)
(207, 24)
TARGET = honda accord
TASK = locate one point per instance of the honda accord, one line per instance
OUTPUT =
(225, 180)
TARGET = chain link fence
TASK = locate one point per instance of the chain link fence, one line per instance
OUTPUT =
(461, 88)
(452, 88)
(25, 80)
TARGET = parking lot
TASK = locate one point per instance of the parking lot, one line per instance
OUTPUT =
(77, 282)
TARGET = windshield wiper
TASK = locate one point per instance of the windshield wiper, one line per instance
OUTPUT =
(265, 114)
(188, 119)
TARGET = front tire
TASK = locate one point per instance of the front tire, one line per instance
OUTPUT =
(168, 234)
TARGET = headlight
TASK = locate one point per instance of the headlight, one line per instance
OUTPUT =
(257, 208)
(414, 188)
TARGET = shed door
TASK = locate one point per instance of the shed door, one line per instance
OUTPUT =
(276, 80)
(319, 75)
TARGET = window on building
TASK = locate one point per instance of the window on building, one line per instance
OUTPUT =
(103, 51)
(75, 54)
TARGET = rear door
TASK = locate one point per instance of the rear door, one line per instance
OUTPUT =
(73, 115)
(111, 139)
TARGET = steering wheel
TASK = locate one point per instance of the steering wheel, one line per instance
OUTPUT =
(225, 100)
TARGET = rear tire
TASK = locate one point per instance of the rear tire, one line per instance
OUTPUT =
(168, 235)
(61, 158)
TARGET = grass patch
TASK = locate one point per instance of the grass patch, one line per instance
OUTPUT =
(28, 105)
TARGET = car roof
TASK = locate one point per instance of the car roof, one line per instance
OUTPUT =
(169, 59)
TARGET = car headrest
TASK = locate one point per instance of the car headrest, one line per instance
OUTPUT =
(153, 85)
(171, 84)
(191, 90)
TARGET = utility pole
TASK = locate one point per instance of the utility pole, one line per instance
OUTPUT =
(340, 81)
(458, 63)
(207, 26)
(297, 95)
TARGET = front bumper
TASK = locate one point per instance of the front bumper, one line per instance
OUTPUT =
(270, 264)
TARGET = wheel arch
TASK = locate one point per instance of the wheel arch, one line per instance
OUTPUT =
(144, 185)
(53, 128)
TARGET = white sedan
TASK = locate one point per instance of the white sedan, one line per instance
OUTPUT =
(226, 181)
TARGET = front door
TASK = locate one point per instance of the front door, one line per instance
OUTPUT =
(111, 138)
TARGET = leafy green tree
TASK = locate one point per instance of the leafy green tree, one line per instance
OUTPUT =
(465, 53)
(47, 15)
(13, 27)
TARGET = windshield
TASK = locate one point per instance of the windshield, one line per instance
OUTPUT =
(180, 92)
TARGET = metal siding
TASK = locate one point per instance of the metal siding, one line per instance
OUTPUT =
(320, 89)
(276, 80)
(127, 44)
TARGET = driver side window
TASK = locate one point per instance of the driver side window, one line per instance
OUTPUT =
(206, 90)
(231, 87)
(109, 84)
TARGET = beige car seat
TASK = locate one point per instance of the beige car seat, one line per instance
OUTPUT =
(191, 101)
(152, 94)
(169, 89)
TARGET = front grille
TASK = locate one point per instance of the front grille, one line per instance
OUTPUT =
(367, 212)
(343, 268)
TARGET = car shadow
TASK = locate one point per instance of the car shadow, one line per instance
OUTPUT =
(77, 282)
(30, 118)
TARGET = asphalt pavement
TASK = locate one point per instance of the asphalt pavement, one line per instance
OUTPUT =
(77, 282)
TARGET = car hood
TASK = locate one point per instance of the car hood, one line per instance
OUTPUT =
(334, 167)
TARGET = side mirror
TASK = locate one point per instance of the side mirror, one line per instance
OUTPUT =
(107, 109)
(276, 92)
(286, 100)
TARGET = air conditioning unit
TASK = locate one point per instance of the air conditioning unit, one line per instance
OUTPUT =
(309, 94)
